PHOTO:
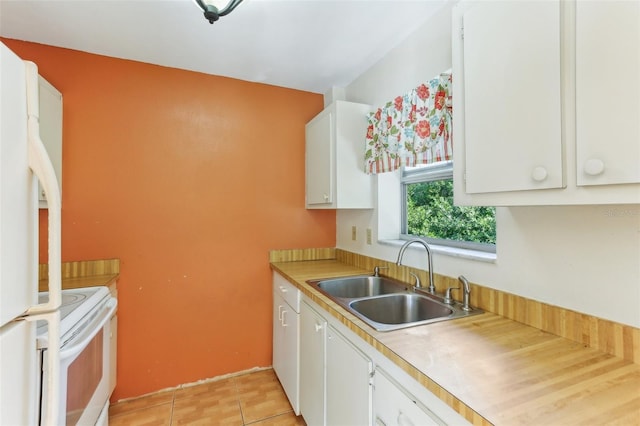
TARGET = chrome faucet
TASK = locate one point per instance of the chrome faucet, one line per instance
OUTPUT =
(466, 293)
(432, 287)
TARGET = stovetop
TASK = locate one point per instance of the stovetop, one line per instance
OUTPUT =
(76, 304)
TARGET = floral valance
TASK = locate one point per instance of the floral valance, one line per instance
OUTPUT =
(412, 129)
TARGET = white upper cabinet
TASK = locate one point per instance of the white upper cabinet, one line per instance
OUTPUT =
(334, 158)
(511, 79)
(320, 169)
(546, 102)
(50, 130)
(608, 92)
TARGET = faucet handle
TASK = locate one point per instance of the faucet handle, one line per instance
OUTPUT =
(418, 284)
(376, 270)
(447, 295)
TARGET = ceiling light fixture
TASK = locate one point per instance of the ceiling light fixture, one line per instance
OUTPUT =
(214, 9)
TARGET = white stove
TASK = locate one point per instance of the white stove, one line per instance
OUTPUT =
(76, 304)
(86, 367)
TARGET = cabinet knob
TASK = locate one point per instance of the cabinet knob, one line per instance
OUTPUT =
(539, 174)
(318, 327)
(326, 197)
(593, 166)
(283, 289)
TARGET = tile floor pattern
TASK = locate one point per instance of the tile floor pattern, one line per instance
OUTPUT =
(255, 398)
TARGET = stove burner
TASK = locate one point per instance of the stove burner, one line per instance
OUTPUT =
(68, 299)
(75, 304)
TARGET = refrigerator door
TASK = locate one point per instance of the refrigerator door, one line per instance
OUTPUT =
(18, 195)
(18, 374)
(21, 382)
(23, 159)
(42, 167)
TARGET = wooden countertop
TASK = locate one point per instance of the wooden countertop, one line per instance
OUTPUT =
(79, 282)
(493, 370)
(84, 273)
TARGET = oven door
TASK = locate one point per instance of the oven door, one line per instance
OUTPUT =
(84, 368)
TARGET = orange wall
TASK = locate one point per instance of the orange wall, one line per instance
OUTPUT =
(190, 180)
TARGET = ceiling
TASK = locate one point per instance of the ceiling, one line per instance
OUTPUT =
(309, 45)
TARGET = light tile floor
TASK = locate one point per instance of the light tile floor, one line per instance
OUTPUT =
(250, 399)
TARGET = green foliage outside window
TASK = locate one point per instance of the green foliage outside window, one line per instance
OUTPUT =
(431, 213)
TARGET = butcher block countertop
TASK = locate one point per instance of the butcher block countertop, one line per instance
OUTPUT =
(86, 273)
(494, 370)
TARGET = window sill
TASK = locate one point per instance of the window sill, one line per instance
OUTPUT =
(476, 255)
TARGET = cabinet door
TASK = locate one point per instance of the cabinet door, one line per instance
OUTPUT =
(286, 354)
(607, 92)
(313, 329)
(353, 186)
(395, 406)
(113, 354)
(320, 167)
(50, 130)
(279, 350)
(19, 374)
(512, 96)
(348, 382)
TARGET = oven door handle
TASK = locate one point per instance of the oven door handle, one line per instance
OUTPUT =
(94, 328)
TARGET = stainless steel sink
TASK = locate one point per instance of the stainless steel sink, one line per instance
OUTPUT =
(360, 286)
(400, 308)
(387, 304)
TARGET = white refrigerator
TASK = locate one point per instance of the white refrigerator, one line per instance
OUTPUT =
(24, 161)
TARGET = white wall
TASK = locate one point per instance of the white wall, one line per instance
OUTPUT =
(585, 258)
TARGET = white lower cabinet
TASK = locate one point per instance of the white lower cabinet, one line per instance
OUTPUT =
(394, 405)
(286, 332)
(113, 354)
(313, 331)
(349, 382)
(335, 376)
(346, 381)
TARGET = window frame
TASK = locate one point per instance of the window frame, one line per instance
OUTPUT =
(430, 173)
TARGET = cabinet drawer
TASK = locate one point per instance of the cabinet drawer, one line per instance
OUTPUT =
(288, 291)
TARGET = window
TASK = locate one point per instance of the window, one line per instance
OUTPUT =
(429, 213)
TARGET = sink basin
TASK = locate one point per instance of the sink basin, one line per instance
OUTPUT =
(359, 286)
(401, 309)
(387, 304)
